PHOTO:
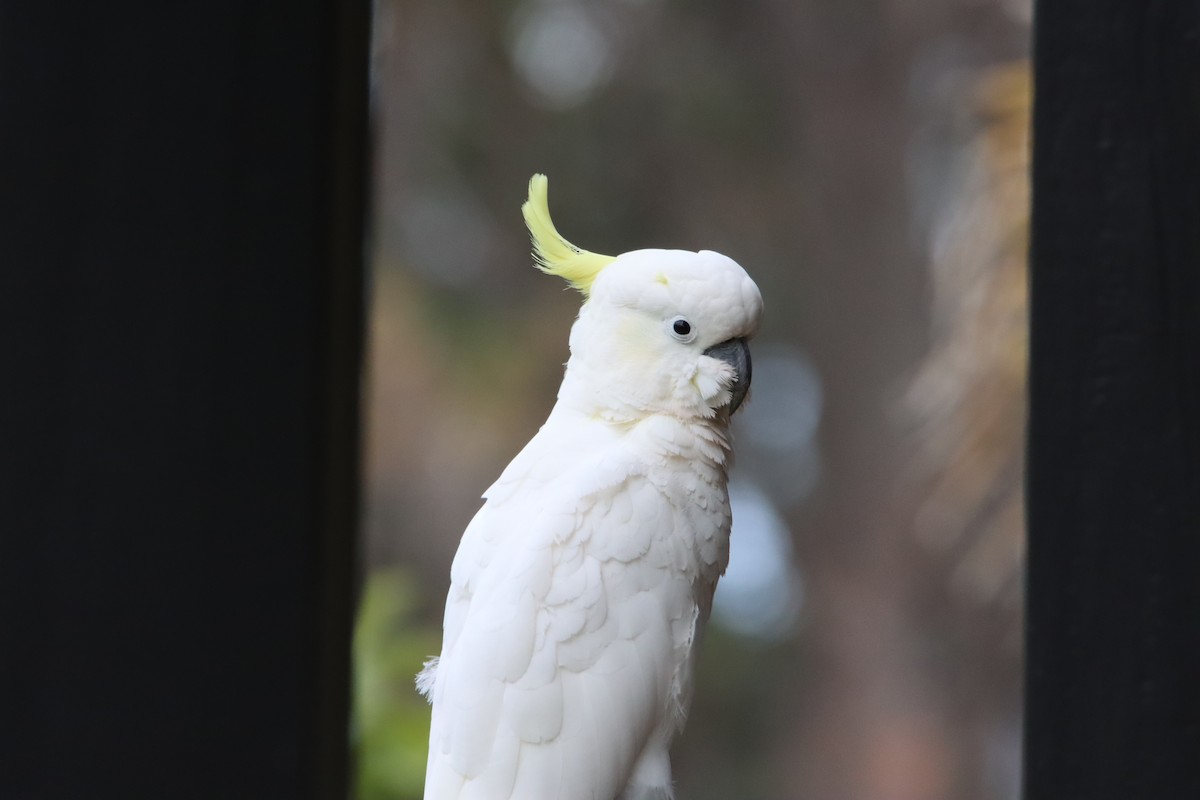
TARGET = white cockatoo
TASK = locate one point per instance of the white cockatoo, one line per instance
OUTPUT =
(580, 588)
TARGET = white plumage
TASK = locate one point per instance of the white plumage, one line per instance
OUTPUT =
(580, 588)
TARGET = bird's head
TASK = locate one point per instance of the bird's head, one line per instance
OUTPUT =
(660, 331)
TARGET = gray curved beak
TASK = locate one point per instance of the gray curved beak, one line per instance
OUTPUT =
(735, 353)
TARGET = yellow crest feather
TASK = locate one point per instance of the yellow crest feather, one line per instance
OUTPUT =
(551, 252)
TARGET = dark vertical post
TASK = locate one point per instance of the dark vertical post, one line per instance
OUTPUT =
(1113, 694)
(181, 264)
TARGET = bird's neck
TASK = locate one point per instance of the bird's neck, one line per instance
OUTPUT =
(618, 398)
(685, 435)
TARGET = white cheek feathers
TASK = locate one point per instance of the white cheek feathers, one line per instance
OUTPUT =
(713, 380)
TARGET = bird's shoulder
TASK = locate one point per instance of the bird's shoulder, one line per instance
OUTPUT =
(642, 486)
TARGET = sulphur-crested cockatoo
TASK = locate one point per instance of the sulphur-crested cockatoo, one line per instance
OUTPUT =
(580, 588)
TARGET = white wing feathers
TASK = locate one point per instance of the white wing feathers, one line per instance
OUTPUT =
(568, 635)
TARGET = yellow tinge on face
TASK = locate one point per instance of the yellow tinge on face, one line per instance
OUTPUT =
(660, 372)
(636, 344)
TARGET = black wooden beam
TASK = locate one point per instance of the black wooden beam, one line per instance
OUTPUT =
(181, 239)
(1113, 675)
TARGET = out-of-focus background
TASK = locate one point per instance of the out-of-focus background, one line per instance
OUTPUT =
(865, 161)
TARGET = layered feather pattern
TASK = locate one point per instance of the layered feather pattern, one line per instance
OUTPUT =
(571, 620)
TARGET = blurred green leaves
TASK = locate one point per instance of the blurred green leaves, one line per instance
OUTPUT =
(391, 721)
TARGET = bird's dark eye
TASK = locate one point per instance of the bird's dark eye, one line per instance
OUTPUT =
(682, 327)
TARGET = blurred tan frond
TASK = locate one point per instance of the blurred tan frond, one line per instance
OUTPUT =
(969, 394)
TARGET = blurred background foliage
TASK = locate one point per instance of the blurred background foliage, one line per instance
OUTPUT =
(391, 723)
(865, 160)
